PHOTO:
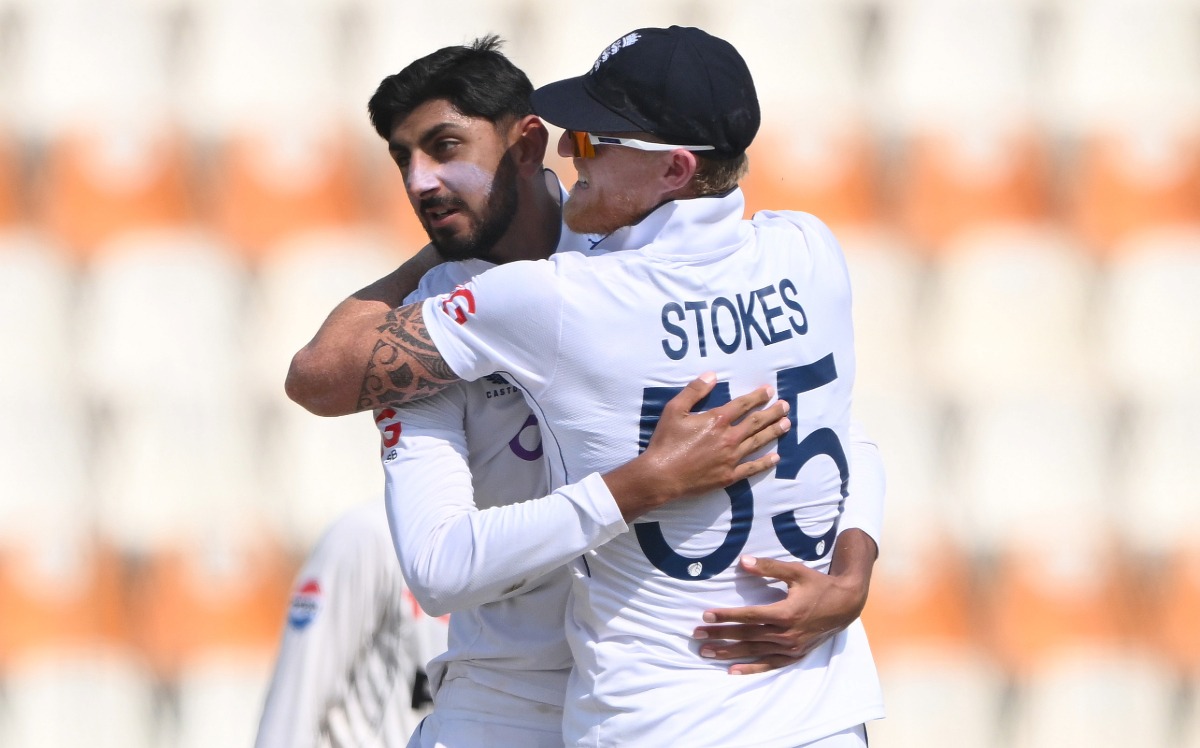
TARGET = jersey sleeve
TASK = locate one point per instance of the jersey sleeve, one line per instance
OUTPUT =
(454, 555)
(505, 320)
(446, 277)
(863, 509)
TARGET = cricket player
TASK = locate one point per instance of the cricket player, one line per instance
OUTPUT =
(506, 546)
(354, 645)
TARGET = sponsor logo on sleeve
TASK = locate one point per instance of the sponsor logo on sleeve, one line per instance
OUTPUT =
(459, 304)
(390, 428)
(501, 389)
(306, 604)
(527, 444)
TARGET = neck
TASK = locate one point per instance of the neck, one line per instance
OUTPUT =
(534, 232)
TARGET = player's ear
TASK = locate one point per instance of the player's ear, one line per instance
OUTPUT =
(679, 169)
(529, 148)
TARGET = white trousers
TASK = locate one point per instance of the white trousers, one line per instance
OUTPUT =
(468, 715)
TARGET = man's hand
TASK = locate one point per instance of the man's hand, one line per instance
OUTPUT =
(690, 454)
(817, 606)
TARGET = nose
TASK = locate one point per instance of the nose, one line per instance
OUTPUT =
(422, 176)
(566, 149)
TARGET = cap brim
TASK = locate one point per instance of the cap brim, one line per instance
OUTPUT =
(568, 105)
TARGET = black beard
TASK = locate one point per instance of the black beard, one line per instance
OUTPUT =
(497, 215)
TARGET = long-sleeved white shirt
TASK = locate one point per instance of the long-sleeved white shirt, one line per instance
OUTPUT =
(352, 644)
(597, 347)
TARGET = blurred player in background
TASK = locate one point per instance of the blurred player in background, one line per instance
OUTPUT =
(350, 670)
(473, 169)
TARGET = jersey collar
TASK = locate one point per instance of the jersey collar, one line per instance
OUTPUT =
(694, 229)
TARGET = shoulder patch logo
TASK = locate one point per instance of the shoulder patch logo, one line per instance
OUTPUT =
(389, 425)
(459, 304)
(306, 604)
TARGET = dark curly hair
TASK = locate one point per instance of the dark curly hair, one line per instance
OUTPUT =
(476, 79)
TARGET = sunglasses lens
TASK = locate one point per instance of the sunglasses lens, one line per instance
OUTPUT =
(581, 146)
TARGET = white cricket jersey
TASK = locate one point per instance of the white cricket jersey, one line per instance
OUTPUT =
(352, 644)
(449, 461)
(598, 346)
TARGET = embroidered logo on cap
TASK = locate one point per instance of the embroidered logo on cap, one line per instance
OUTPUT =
(626, 41)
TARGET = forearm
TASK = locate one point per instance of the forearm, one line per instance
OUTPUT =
(326, 375)
(459, 557)
(854, 555)
(639, 486)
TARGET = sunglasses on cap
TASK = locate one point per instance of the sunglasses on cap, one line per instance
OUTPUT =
(583, 144)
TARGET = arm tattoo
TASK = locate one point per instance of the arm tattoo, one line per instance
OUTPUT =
(405, 364)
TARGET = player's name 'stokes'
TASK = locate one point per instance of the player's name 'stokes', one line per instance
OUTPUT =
(767, 315)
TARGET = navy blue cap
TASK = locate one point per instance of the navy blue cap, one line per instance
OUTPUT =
(681, 84)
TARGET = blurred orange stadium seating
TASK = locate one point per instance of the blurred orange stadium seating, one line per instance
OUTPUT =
(940, 685)
(269, 184)
(64, 595)
(65, 644)
(1016, 184)
(98, 184)
(922, 599)
(1149, 316)
(1175, 607)
(1043, 606)
(1126, 182)
(10, 196)
(204, 597)
(1010, 314)
(955, 182)
(830, 174)
(36, 309)
(207, 617)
